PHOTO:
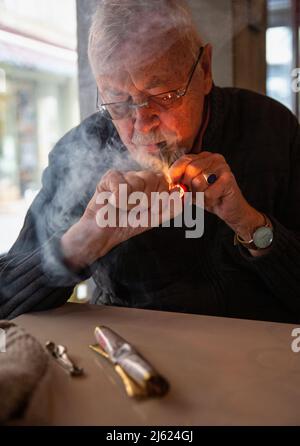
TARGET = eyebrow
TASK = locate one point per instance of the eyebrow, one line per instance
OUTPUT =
(153, 82)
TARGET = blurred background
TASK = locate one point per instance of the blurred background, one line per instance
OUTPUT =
(38, 98)
(46, 86)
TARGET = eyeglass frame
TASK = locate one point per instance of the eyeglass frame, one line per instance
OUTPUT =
(181, 92)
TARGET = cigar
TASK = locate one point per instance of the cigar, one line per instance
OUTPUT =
(139, 377)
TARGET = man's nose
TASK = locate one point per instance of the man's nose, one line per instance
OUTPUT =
(145, 119)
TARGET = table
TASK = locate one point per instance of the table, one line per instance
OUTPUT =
(222, 371)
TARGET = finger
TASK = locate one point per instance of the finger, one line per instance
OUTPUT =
(153, 181)
(195, 169)
(135, 182)
(120, 186)
(212, 164)
(188, 157)
(143, 182)
(110, 181)
(219, 190)
(163, 184)
(184, 169)
(200, 184)
(146, 182)
(177, 169)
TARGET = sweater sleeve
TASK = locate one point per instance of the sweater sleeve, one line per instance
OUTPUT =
(29, 281)
(279, 269)
(33, 275)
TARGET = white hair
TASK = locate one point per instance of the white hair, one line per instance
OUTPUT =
(139, 28)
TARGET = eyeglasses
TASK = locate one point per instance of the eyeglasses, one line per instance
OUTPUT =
(166, 100)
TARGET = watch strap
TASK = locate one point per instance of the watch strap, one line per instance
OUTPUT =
(250, 244)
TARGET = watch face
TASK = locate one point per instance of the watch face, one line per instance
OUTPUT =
(263, 237)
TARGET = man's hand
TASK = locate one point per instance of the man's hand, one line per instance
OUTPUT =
(85, 241)
(224, 197)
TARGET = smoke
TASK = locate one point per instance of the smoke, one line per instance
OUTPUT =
(76, 164)
(81, 158)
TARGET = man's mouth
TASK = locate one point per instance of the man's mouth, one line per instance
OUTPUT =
(164, 151)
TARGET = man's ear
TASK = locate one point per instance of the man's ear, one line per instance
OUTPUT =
(207, 68)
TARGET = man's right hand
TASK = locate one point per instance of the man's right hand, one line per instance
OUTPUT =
(85, 241)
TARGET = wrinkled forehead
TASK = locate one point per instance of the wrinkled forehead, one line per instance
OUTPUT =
(145, 37)
(148, 70)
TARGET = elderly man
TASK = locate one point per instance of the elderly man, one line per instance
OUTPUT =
(156, 97)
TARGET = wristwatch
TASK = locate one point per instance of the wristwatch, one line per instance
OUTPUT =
(262, 237)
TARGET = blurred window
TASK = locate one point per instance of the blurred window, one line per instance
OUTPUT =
(282, 48)
(38, 99)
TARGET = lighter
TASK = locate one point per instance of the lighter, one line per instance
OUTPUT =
(139, 377)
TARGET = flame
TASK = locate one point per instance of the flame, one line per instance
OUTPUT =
(181, 188)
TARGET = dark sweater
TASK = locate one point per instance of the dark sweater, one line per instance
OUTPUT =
(161, 269)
